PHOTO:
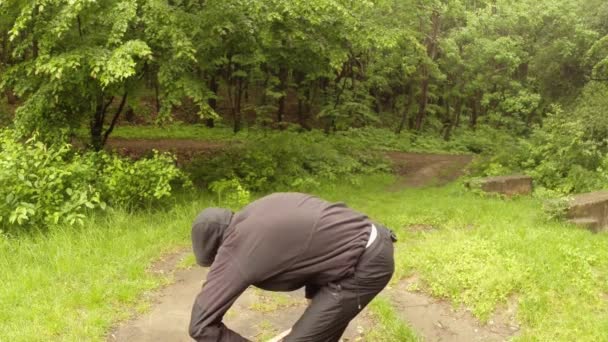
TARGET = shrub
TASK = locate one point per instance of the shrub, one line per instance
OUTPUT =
(50, 184)
(42, 184)
(127, 183)
(286, 161)
(568, 154)
(230, 193)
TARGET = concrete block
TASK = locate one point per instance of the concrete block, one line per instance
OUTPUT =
(589, 210)
(508, 185)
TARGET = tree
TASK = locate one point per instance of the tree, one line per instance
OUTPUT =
(80, 60)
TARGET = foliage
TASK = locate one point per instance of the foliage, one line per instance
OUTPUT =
(555, 208)
(230, 193)
(51, 185)
(128, 184)
(71, 62)
(285, 161)
(43, 185)
(567, 154)
(418, 66)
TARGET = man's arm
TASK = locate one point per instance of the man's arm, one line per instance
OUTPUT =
(224, 285)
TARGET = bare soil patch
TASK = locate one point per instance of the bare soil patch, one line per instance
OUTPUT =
(436, 320)
(184, 149)
(256, 315)
(259, 315)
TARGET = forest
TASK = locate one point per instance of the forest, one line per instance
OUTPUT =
(116, 113)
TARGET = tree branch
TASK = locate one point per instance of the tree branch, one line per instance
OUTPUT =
(104, 109)
(79, 27)
(115, 118)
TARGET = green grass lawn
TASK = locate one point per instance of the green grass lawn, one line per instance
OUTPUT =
(487, 250)
(73, 285)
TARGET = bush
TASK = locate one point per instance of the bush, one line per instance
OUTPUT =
(230, 193)
(568, 154)
(44, 185)
(127, 183)
(286, 161)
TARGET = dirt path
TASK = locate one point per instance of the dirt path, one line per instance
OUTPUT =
(256, 315)
(259, 315)
(184, 149)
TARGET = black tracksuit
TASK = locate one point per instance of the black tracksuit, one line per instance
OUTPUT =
(283, 242)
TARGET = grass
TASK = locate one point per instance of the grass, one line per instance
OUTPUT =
(488, 250)
(188, 262)
(389, 326)
(272, 301)
(267, 331)
(73, 285)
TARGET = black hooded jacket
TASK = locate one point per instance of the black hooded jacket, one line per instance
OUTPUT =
(280, 242)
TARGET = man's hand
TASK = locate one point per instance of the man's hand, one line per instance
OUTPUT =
(280, 336)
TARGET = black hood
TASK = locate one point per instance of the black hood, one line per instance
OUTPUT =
(208, 233)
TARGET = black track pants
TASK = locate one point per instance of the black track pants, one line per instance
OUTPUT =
(336, 304)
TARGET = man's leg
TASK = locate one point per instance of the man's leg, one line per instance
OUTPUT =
(336, 304)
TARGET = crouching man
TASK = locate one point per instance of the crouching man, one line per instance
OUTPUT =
(283, 242)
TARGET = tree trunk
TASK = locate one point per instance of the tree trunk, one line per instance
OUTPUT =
(4, 54)
(331, 125)
(234, 94)
(377, 105)
(431, 49)
(96, 126)
(264, 100)
(106, 135)
(450, 121)
(474, 113)
(237, 105)
(5, 60)
(406, 110)
(157, 95)
(424, 99)
(130, 115)
(300, 112)
(283, 85)
(212, 102)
